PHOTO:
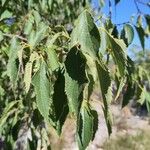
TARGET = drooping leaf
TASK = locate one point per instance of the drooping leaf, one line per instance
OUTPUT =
(42, 88)
(27, 76)
(127, 34)
(75, 77)
(102, 3)
(29, 25)
(130, 67)
(117, 49)
(53, 61)
(115, 32)
(147, 17)
(105, 83)
(12, 69)
(141, 35)
(36, 36)
(87, 125)
(30, 3)
(37, 17)
(9, 109)
(86, 34)
(50, 4)
(120, 88)
(129, 93)
(104, 77)
(6, 14)
(60, 102)
(1, 36)
(3, 2)
(28, 71)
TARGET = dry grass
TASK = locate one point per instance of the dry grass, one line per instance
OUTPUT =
(140, 141)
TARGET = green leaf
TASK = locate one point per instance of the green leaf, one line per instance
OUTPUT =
(102, 3)
(50, 4)
(27, 76)
(141, 35)
(1, 36)
(12, 69)
(75, 77)
(9, 109)
(87, 125)
(60, 102)
(37, 17)
(28, 26)
(30, 3)
(120, 88)
(42, 88)
(86, 35)
(117, 49)
(127, 34)
(6, 14)
(144, 98)
(50, 42)
(3, 2)
(53, 61)
(105, 83)
(129, 93)
(36, 36)
(147, 17)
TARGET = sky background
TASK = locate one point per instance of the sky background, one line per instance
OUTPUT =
(123, 12)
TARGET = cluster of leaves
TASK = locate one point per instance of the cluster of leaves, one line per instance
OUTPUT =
(48, 74)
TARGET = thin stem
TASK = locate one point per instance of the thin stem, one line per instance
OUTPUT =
(137, 7)
(110, 9)
(119, 24)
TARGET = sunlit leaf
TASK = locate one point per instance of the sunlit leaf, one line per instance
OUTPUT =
(36, 36)
(53, 61)
(12, 69)
(86, 34)
(117, 49)
(6, 14)
(28, 71)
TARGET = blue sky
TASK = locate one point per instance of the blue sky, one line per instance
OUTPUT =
(123, 12)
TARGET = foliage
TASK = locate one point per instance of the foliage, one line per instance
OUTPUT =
(47, 68)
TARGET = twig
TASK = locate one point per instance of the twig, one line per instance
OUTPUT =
(17, 36)
(110, 9)
(119, 24)
(137, 7)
